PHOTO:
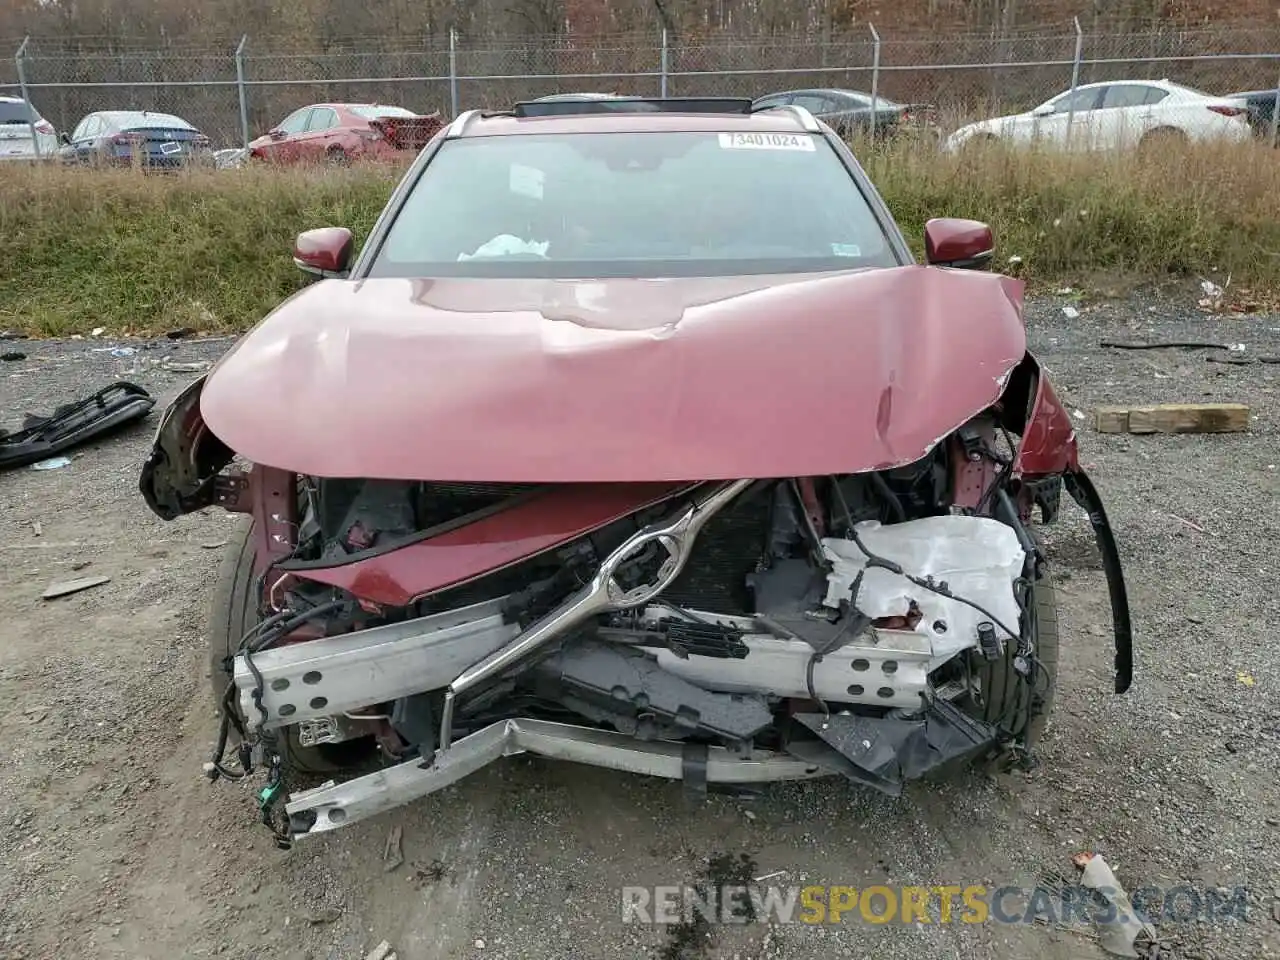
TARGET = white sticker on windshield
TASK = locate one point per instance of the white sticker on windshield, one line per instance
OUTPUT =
(846, 250)
(766, 141)
(526, 181)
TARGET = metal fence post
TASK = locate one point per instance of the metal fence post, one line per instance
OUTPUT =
(664, 65)
(1275, 115)
(22, 85)
(453, 72)
(244, 93)
(1075, 77)
(875, 77)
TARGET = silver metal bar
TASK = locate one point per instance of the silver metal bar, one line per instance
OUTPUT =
(1075, 78)
(675, 535)
(875, 77)
(337, 805)
(19, 61)
(244, 102)
(453, 72)
(321, 678)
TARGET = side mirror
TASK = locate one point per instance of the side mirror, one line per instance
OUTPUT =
(1044, 110)
(963, 244)
(325, 252)
(275, 134)
(64, 138)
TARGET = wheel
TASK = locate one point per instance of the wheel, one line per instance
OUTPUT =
(234, 611)
(337, 157)
(1008, 701)
(1161, 139)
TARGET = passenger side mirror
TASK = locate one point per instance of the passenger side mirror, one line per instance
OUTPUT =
(1044, 110)
(324, 252)
(962, 244)
(276, 134)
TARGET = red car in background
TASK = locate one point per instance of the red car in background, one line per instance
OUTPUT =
(340, 132)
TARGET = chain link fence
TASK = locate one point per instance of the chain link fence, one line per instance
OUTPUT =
(243, 91)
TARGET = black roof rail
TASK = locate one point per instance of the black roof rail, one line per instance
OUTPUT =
(566, 108)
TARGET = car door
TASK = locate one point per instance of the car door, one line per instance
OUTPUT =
(84, 142)
(315, 139)
(1065, 120)
(1123, 115)
(284, 147)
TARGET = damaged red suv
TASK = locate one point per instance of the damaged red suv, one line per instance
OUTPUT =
(633, 436)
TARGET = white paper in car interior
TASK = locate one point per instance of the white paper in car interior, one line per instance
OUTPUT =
(526, 181)
(979, 559)
(505, 245)
(767, 141)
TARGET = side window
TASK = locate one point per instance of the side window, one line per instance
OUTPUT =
(79, 132)
(1121, 95)
(322, 118)
(1080, 101)
(296, 122)
(92, 128)
(848, 101)
(1154, 95)
(813, 102)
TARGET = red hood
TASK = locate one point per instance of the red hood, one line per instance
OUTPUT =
(530, 381)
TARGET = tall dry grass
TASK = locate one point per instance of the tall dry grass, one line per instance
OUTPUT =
(134, 253)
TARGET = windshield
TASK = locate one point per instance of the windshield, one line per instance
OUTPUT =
(375, 112)
(633, 205)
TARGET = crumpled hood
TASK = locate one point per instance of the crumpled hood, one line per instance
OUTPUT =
(533, 381)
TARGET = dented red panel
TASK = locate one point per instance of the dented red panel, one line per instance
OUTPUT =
(1049, 440)
(548, 518)
(532, 381)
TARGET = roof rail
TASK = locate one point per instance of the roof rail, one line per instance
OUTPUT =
(460, 122)
(807, 119)
(566, 108)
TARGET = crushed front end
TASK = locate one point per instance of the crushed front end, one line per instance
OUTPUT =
(877, 625)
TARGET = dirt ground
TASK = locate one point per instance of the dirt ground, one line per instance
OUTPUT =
(113, 845)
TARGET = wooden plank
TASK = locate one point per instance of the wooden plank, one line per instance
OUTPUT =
(73, 586)
(1174, 418)
(1112, 420)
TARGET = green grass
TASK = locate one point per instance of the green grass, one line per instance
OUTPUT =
(211, 251)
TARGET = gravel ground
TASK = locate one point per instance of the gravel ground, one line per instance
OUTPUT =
(114, 846)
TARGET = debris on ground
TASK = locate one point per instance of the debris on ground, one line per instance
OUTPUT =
(37, 528)
(12, 356)
(72, 424)
(1245, 678)
(1070, 313)
(382, 951)
(98, 331)
(1213, 295)
(1163, 345)
(198, 367)
(1121, 931)
(1174, 418)
(393, 852)
(180, 333)
(67, 587)
(81, 564)
(214, 545)
(322, 915)
(53, 463)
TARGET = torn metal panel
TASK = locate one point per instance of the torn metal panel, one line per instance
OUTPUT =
(977, 557)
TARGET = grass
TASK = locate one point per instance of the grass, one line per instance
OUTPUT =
(211, 251)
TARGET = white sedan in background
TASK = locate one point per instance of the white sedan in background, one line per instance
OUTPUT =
(1116, 115)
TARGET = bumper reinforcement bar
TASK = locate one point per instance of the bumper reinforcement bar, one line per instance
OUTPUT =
(335, 805)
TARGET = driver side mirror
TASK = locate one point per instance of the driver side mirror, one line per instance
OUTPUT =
(64, 138)
(324, 252)
(962, 244)
(276, 134)
(1044, 110)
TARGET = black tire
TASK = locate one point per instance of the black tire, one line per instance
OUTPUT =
(232, 613)
(1020, 708)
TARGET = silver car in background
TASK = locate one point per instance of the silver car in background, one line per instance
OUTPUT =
(24, 134)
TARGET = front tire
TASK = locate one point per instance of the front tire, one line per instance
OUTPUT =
(233, 612)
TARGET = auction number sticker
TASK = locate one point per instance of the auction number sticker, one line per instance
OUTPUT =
(766, 141)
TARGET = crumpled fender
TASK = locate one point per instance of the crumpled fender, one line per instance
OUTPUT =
(179, 474)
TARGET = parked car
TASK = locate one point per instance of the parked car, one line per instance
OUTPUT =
(583, 457)
(124, 137)
(24, 134)
(1116, 115)
(850, 112)
(567, 97)
(1260, 108)
(341, 132)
